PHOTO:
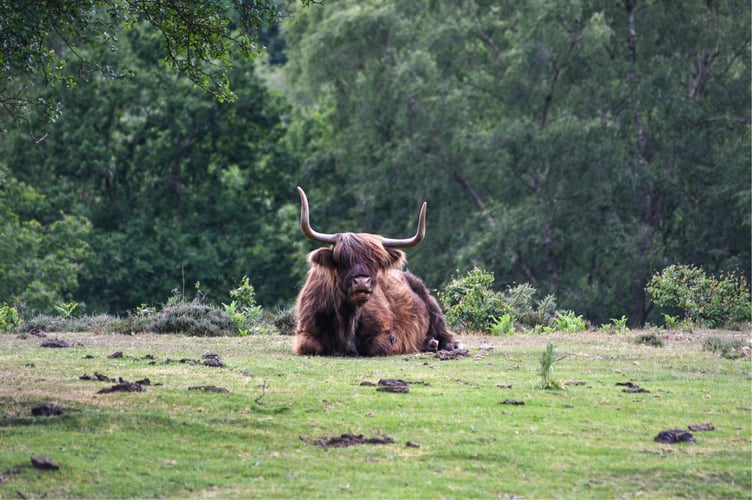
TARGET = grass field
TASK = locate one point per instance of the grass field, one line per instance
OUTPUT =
(452, 436)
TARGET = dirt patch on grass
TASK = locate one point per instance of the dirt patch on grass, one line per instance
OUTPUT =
(47, 410)
(675, 436)
(346, 439)
(208, 388)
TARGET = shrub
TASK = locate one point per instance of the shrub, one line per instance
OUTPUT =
(191, 318)
(651, 339)
(568, 321)
(706, 300)
(617, 326)
(285, 321)
(520, 300)
(470, 303)
(245, 314)
(9, 318)
(103, 323)
(503, 325)
(729, 349)
(45, 323)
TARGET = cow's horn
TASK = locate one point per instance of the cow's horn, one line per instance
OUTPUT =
(410, 242)
(305, 224)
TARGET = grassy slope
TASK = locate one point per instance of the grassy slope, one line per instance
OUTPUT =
(590, 440)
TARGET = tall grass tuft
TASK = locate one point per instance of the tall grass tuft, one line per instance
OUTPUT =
(547, 360)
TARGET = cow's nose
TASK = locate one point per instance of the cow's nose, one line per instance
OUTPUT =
(362, 282)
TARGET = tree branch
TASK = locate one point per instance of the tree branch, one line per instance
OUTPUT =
(486, 39)
(642, 136)
(473, 194)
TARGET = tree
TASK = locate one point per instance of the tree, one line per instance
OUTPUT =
(41, 253)
(179, 188)
(198, 38)
(568, 144)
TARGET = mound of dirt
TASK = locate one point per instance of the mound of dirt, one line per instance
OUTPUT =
(454, 354)
(209, 359)
(208, 388)
(345, 440)
(47, 410)
(631, 387)
(675, 436)
(44, 463)
(212, 360)
(392, 385)
(55, 343)
(123, 386)
(96, 376)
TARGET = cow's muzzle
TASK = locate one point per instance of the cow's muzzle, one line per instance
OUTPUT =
(361, 289)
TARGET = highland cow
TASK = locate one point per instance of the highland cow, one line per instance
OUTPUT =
(358, 300)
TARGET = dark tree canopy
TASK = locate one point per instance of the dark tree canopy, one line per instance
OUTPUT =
(199, 38)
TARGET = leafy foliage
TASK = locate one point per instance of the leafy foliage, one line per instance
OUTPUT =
(706, 300)
(197, 38)
(246, 315)
(177, 187)
(616, 326)
(9, 318)
(41, 252)
(568, 321)
(66, 309)
(471, 304)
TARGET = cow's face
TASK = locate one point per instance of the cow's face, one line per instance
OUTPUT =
(356, 261)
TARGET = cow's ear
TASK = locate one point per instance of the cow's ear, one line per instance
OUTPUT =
(323, 257)
(396, 257)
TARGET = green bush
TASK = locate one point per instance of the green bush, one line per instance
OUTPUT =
(568, 321)
(503, 325)
(470, 304)
(617, 326)
(705, 300)
(520, 299)
(9, 318)
(246, 315)
(179, 315)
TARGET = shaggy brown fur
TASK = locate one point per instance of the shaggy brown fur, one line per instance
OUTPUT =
(358, 300)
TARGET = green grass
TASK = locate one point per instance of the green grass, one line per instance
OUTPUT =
(591, 440)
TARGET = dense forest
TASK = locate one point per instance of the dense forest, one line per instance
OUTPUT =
(577, 146)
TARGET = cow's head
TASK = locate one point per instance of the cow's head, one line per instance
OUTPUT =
(356, 259)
